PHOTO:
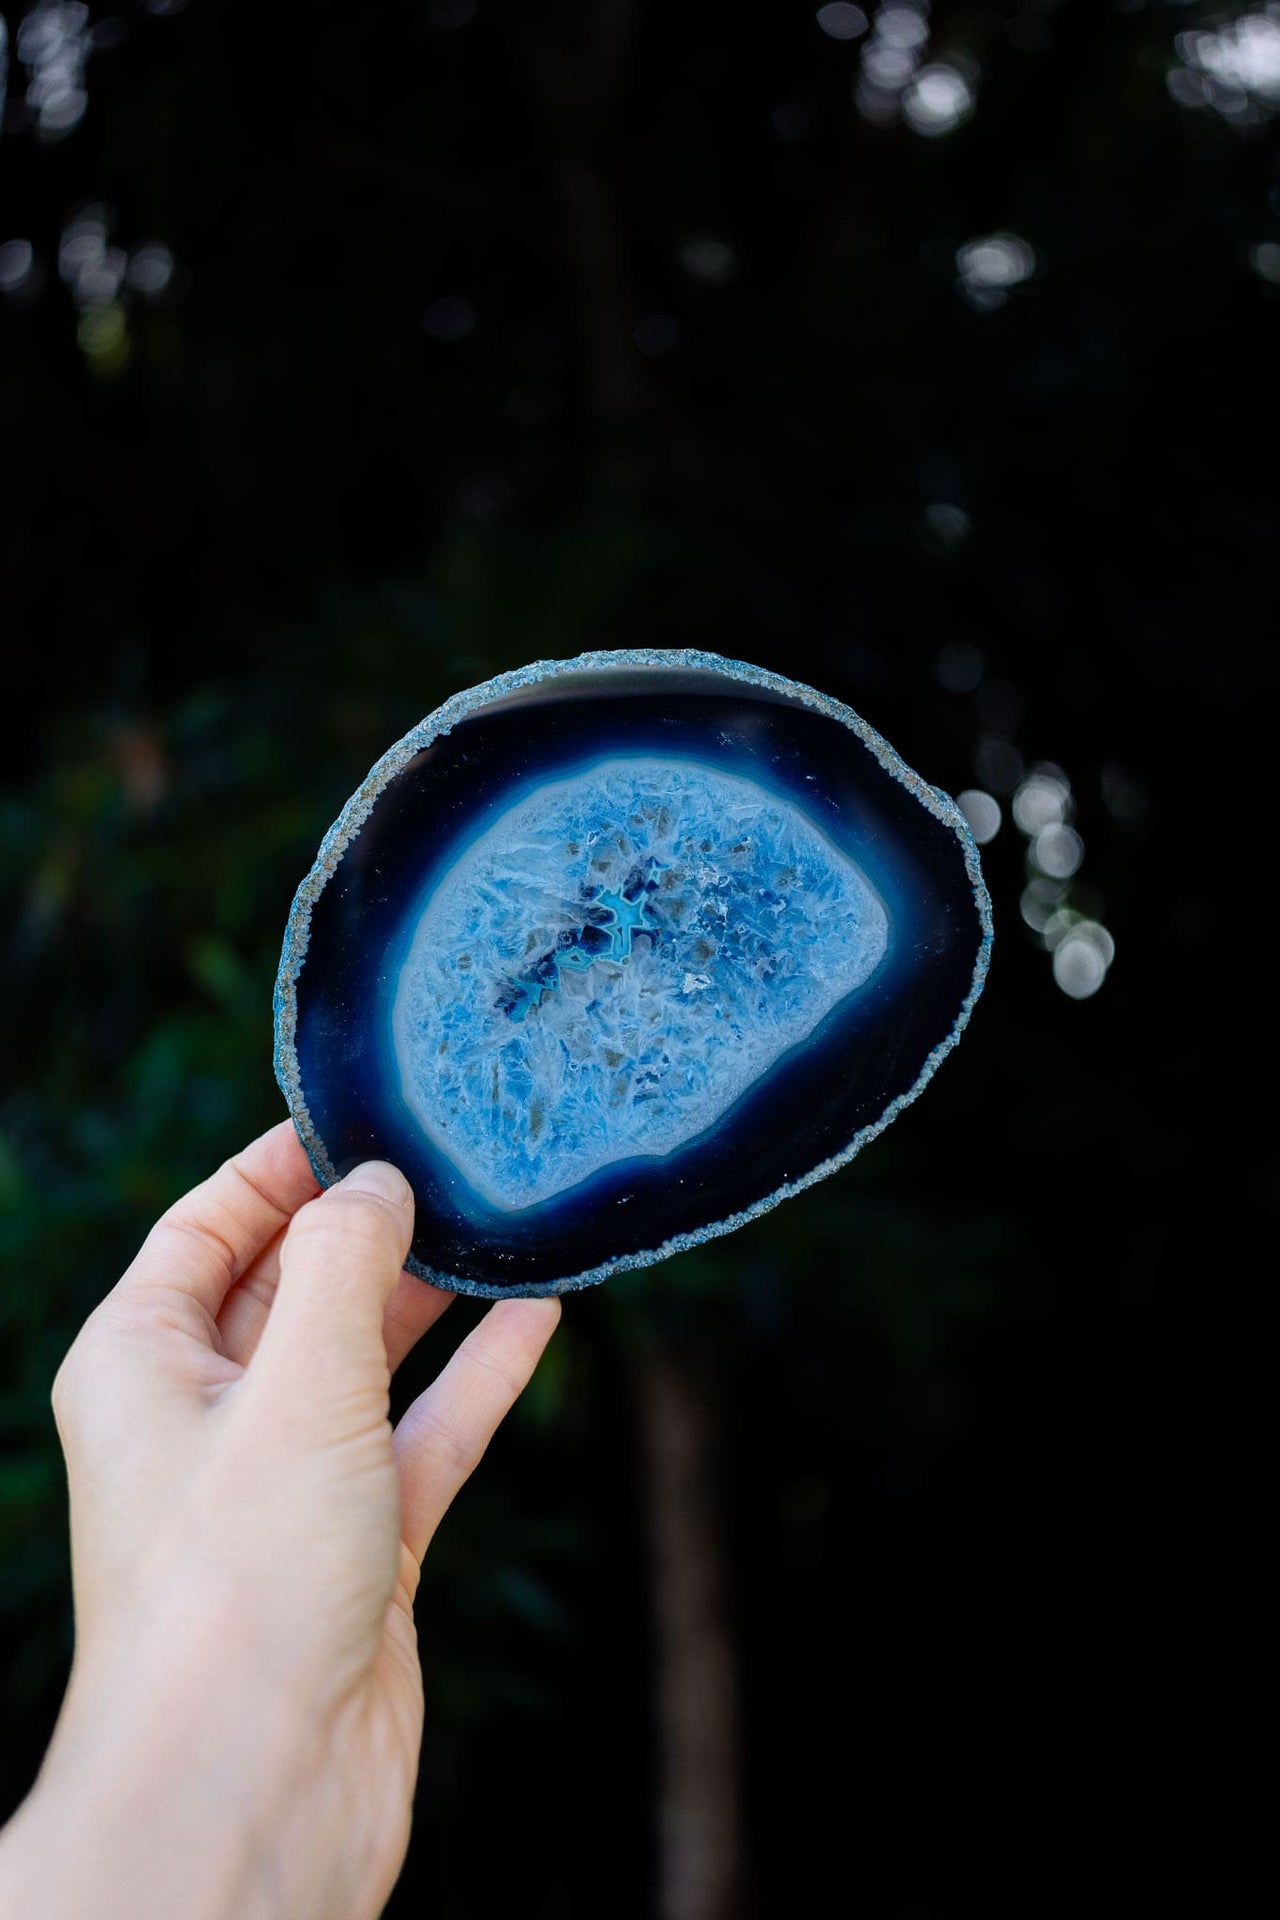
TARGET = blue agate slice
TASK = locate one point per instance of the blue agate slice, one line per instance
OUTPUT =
(612, 954)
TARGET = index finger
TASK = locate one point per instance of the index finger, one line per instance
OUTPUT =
(209, 1238)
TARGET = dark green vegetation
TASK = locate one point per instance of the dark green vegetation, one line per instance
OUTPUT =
(982, 1415)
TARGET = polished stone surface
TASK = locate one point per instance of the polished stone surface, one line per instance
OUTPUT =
(612, 954)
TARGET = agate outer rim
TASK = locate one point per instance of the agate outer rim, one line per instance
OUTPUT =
(601, 665)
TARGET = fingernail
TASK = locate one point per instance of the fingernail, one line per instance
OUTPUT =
(380, 1178)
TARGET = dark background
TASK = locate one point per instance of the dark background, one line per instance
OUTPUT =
(358, 352)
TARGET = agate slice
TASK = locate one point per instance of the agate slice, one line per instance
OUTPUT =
(610, 955)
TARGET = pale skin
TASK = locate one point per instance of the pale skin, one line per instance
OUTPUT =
(241, 1731)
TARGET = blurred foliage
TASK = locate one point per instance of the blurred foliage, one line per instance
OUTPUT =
(990, 1401)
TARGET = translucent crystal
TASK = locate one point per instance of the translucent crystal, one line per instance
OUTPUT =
(613, 963)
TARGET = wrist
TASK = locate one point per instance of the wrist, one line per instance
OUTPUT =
(163, 1793)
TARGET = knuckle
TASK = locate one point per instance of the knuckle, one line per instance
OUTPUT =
(511, 1382)
(190, 1226)
(456, 1451)
(356, 1217)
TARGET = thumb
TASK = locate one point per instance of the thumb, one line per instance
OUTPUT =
(339, 1263)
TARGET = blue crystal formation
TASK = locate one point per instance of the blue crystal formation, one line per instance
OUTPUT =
(612, 954)
(614, 962)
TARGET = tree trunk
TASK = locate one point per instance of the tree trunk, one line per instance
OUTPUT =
(700, 1841)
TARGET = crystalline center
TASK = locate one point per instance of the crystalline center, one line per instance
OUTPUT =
(613, 963)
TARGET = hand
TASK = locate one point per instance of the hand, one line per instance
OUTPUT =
(241, 1731)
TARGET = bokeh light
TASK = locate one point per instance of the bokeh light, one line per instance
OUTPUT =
(1058, 850)
(1040, 900)
(982, 812)
(103, 335)
(891, 54)
(959, 667)
(708, 258)
(998, 763)
(90, 269)
(1082, 949)
(1042, 800)
(990, 266)
(1233, 67)
(1082, 953)
(946, 526)
(938, 99)
(841, 21)
(102, 278)
(17, 258)
(150, 269)
(54, 45)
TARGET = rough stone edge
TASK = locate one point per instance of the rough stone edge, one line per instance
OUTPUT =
(358, 808)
